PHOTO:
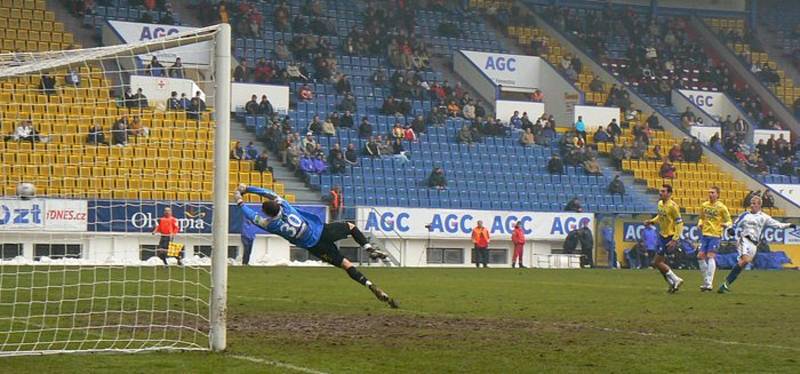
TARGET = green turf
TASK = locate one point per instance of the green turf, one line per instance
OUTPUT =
(481, 321)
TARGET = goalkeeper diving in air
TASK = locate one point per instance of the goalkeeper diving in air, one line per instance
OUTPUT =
(307, 231)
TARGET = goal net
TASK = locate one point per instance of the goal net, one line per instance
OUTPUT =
(97, 145)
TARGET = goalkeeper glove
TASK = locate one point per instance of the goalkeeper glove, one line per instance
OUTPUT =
(237, 196)
(242, 188)
(792, 226)
(731, 231)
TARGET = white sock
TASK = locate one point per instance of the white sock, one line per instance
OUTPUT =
(367, 246)
(712, 267)
(671, 275)
(703, 270)
(368, 283)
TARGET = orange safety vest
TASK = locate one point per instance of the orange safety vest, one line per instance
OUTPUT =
(480, 236)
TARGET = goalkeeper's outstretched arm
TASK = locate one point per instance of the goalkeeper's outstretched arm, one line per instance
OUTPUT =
(260, 191)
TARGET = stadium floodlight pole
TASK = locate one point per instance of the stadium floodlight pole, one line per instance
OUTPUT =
(219, 254)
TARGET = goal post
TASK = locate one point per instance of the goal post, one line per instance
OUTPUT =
(81, 267)
(219, 265)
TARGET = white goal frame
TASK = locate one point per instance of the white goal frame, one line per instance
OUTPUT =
(17, 64)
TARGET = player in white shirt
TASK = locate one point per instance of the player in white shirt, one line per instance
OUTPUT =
(751, 225)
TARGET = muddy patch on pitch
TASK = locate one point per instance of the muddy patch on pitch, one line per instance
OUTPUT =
(314, 327)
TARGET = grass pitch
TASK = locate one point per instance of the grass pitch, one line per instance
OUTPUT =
(483, 321)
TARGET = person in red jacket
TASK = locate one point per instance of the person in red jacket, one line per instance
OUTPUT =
(480, 237)
(168, 228)
(518, 238)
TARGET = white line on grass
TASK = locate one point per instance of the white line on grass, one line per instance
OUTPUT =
(278, 364)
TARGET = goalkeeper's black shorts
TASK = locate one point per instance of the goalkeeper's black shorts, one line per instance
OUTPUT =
(326, 249)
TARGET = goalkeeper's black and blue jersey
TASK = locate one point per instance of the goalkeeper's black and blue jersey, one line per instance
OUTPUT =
(300, 228)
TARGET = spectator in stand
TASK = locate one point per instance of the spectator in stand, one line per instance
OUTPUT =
(652, 121)
(614, 130)
(657, 155)
(480, 238)
(335, 203)
(518, 238)
(453, 109)
(242, 72)
(315, 126)
(237, 152)
(667, 170)
(96, 136)
(675, 153)
(185, 103)
(351, 155)
(601, 136)
(251, 108)
(555, 165)
(265, 107)
(47, 84)
(320, 166)
(305, 93)
(365, 128)
(515, 121)
(590, 165)
(469, 111)
(338, 165)
(343, 85)
(537, 96)
(372, 148)
(305, 165)
(155, 68)
(176, 70)
(616, 186)
(348, 103)
(25, 132)
(136, 128)
(168, 228)
(596, 85)
(139, 100)
(767, 199)
(196, 106)
(574, 205)
(328, 129)
(251, 152)
(346, 120)
(72, 78)
(527, 139)
(174, 104)
(262, 163)
(437, 179)
(119, 135)
(465, 135)
(309, 144)
(580, 128)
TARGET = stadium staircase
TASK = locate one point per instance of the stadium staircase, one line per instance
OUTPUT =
(292, 184)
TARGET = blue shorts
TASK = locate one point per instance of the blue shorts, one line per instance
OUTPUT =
(662, 245)
(709, 244)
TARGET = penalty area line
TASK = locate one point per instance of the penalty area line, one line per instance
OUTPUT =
(278, 364)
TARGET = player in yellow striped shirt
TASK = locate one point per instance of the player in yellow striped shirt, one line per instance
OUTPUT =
(714, 218)
(670, 227)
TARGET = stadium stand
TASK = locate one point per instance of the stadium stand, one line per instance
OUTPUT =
(692, 178)
(498, 165)
(162, 166)
(95, 15)
(735, 34)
